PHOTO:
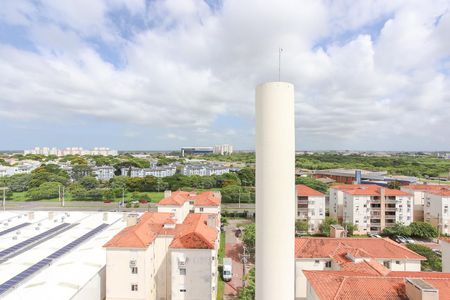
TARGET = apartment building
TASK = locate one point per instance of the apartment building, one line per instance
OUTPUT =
(163, 171)
(168, 254)
(419, 192)
(372, 255)
(310, 207)
(436, 209)
(370, 207)
(204, 170)
(356, 285)
(103, 173)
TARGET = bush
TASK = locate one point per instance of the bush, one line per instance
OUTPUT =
(423, 230)
(397, 229)
(433, 262)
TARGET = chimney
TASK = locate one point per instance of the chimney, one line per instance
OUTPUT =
(418, 289)
(337, 231)
(167, 193)
(275, 179)
(132, 219)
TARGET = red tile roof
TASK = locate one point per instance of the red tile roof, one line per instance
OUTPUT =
(143, 233)
(330, 285)
(426, 187)
(441, 192)
(318, 247)
(194, 233)
(178, 198)
(303, 190)
(368, 190)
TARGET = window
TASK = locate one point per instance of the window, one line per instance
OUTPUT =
(134, 287)
(387, 264)
(134, 270)
(328, 264)
(397, 262)
(182, 290)
(201, 208)
(182, 271)
(316, 262)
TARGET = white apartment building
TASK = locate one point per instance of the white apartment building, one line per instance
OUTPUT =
(372, 255)
(71, 151)
(370, 207)
(204, 170)
(169, 254)
(223, 149)
(310, 207)
(436, 210)
(419, 192)
(24, 168)
(103, 173)
(155, 171)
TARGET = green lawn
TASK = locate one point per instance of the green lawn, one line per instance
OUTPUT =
(220, 254)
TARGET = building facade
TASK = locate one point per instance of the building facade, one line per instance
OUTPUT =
(419, 192)
(310, 207)
(436, 209)
(168, 254)
(163, 171)
(345, 254)
(103, 173)
(370, 207)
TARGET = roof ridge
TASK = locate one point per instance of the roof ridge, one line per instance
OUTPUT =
(340, 287)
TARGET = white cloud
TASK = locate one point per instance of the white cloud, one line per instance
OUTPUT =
(356, 80)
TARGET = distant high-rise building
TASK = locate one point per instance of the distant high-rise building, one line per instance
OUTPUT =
(223, 149)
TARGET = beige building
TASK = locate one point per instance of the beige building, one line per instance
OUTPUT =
(436, 209)
(310, 207)
(445, 249)
(370, 207)
(169, 254)
(419, 192)
(372, 255)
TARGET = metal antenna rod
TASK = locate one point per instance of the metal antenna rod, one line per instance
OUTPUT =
(279, 63)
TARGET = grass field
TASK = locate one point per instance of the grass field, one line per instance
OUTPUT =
(220, 254)
(154, 196)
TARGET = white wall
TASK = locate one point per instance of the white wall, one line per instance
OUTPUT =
(336, 203)
(180, 212)
(119, 277)
(403, 265)
(418, 200)
(198, 281)
(207, 209)
(300, 279)
(445, 248)
(163, 267)
(437, 211)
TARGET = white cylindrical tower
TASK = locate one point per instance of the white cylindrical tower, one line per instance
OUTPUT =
(275, 191)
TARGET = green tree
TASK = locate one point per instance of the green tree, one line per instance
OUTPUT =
(397, 229)
(247, 176)
(433, 262)
(350, 228)
(79, 171)
(325, 226)
(249, 291)
(119, 182)
(301, 226)
(19, 182)
(47, 190)
(135, 184)
(423, 230)
(249, 236)
(228, 179)
(89, 182)
(394, 185)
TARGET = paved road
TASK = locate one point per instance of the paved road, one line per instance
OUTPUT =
(233, 247)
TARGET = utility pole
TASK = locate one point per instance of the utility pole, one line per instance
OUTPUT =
(244, 259)
(62, 196)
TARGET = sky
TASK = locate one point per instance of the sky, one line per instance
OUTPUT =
(158, 75)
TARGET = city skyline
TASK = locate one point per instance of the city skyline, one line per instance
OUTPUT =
(160, 75)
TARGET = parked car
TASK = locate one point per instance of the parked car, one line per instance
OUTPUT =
(438, 252)
(227, 270)
(410, 240)
(374, 235)
(399, 239)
